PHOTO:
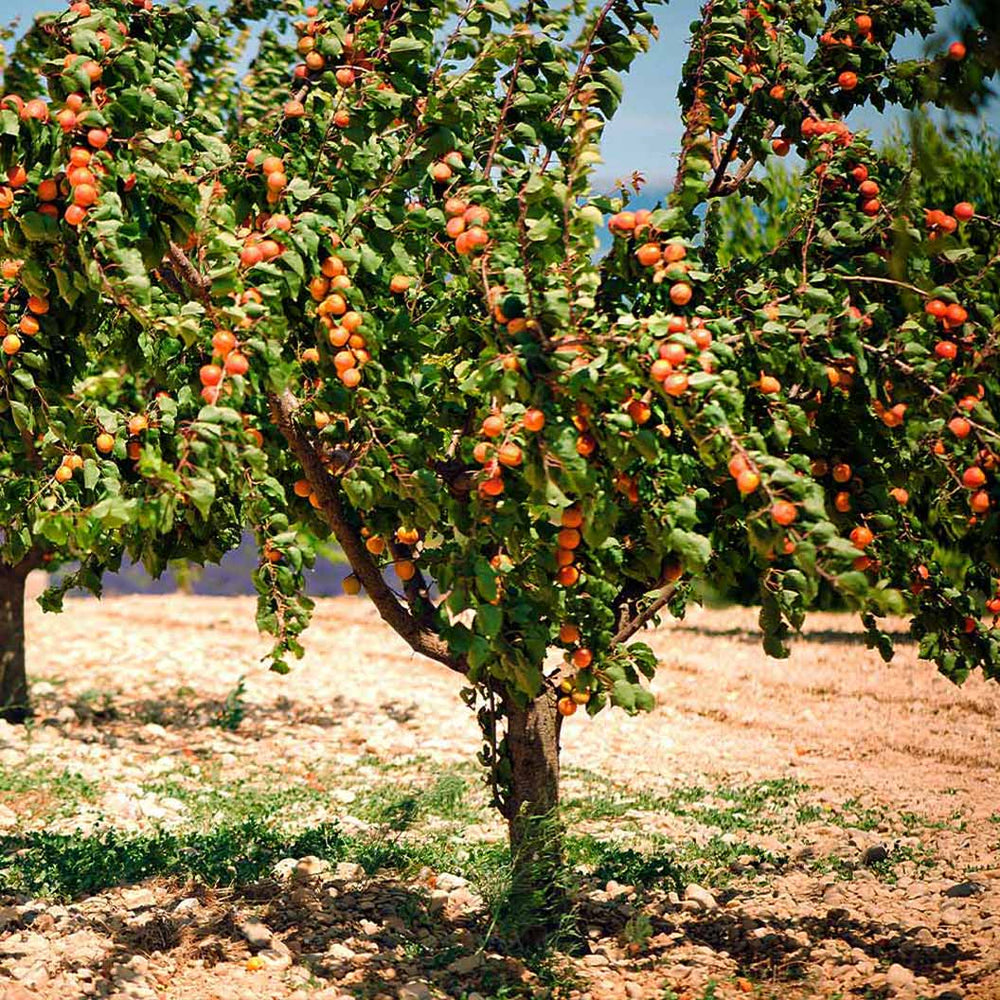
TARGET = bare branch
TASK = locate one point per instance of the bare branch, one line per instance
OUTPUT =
(629, 628)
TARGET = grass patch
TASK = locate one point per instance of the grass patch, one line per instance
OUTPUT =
(759, 807)
(73, 865)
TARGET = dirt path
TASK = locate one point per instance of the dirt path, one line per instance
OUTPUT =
(843, 814)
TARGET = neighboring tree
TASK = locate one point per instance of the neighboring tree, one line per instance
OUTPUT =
(368, 305)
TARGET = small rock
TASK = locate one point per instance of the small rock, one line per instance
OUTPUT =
(951, 916)
(187, 907)
(348, 871)
(963, 890)
(449, 882)
(898, 977)
(257, 935)
(285, 867)
(467, 963)
(17, 992)
(414, 991)
(874, 854)
(437, 900)
(696, 894)
(275, 958)
(309, 867)
(42, 689)
(340, 952)
(8, 818)
(138, 899)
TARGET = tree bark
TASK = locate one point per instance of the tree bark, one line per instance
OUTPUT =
(14, 705)
(538, 890)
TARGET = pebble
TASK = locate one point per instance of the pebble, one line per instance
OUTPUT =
(694, 893)
(257, 934)
(309, 867)
(596, 960)
(414, 991)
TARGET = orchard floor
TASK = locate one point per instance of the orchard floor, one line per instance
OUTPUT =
(833, 822)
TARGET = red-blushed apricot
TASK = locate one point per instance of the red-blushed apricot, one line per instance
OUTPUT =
(510, 454)
(534, 420)
(747, 482)
(237, 364)
(105, 443)
(493, 425)
(582, 658)
(973, 477)
(783, 513)
(861, 537)
(680, 293)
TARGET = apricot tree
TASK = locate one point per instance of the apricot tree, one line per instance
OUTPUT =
(355, 293)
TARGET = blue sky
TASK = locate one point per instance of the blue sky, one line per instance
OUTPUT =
(647, 130)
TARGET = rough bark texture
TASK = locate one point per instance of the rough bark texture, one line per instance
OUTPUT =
(13, 680)
(532, 812)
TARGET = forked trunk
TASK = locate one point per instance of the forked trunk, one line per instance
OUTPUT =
(538, 891)
(13, 680)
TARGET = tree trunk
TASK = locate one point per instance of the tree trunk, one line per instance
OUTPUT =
(13, 680)
(538, 897)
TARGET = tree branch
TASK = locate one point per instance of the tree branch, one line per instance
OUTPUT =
(416, 631)
(183, 267)
(629, 628)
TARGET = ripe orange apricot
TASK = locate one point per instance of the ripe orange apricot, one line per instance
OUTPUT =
(568, 576)
(568, 538)
(649, 254)
(639, 411)
(680, 293)
(571, 517)
(566, 706)
(964, 211)
(842, 472)
(980, 502)
(956, 51)
(399, 283)
(783, 513)
(769, 384)
(861, 537)
(75, 215)
(105, 443)
(847, 80)
(223, 341)
(582, 658)
(493, 426)
(137, 425)
(406, 570)
(510, 454)
(973, 477)
(11, 344)
(675, 384)
(534, 420)
(747, 482)
(237, 364)
(569, 634)
(210, 374)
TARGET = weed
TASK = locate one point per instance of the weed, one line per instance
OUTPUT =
(233, 709)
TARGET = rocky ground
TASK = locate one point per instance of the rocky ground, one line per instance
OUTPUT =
(825, 826)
